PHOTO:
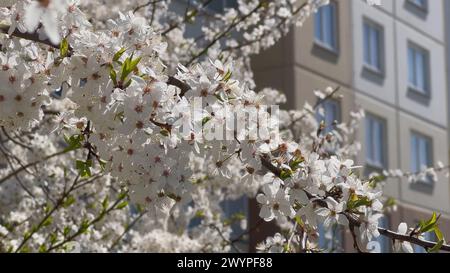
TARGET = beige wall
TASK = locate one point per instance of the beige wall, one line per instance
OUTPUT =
(337, 66)
(297, 66)
(272, 69)
(305, 82)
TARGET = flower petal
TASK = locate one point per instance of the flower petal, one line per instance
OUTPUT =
(407, 247)
(50, 23)
(33, 15)
(266, 213)
(402, 228)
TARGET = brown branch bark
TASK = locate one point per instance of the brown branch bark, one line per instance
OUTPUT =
(182, 85)
(27, 36)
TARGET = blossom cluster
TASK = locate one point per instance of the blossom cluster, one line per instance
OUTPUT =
(136, 101)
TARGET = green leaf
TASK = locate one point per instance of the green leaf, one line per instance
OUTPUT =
(47, 222)
(122, 205)
(285, 174)
(358, 202)
(437, 247)
(190, 17)
(42, 248)
(428, 225)
(299, 221)
(84, 168)
(84, 226)
(129, 66)
(264, 4)
(47, 208)
(64, 48)
(53, 238)
(205, 120)
(25, 249)
(127, 84)
(122, 195)
(134, 63)
(69, 201)
(234, 218)
(390, 202)
(199, 214)
(102, 164)
(296, 162)
(105, 203)
(227, 76)
(66, 231)
(118, 54)
(113, 76)
(27, 235)
(124, 72)
(73, 142)
(438, 233)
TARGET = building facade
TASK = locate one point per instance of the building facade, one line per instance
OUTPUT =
(391, 61)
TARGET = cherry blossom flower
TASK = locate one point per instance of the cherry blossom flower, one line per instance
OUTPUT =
(333, 213)
(46, 12)
(274, 201)
(402, 246)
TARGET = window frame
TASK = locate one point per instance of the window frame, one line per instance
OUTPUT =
(430, 155)
(427, 69)
(381, 46)
(384, 149)
(422, 8)
(335, 30)
(320, 118)
(223, 7)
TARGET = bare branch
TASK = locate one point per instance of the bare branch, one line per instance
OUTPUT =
(27, 36)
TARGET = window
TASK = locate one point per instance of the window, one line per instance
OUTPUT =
(330, 238)
(420, 4)
(331, 113)
(232, 209)
(375, 142)
(373, 46)
(421, 154)
(325, 30)
(221, 5)
(385, 242)
(418, 69)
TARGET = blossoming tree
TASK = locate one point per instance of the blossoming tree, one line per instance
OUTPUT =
(122, 130)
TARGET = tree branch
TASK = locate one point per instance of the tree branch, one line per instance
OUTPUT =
(182, 85)
(27, 36)
(146, 5)
(223, 34)
(8, 176)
